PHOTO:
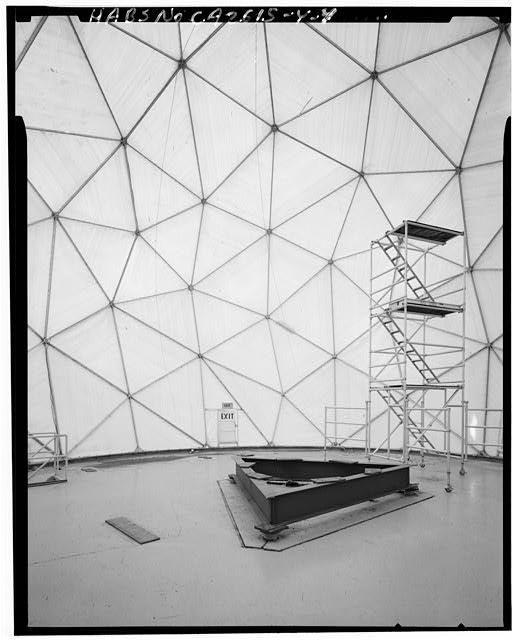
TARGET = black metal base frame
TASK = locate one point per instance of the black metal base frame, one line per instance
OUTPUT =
(287, 490)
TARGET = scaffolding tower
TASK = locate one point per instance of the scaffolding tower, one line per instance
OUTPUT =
(417, 341)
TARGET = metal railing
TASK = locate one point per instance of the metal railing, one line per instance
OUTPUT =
(45, 449)
(338, 438)
(472, 430)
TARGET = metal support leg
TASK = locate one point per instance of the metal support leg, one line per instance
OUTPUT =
(464, 437)
(448, 487)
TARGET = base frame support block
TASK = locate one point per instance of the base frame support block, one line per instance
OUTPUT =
(270, 532)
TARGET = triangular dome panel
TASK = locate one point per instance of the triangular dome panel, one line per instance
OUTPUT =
(247, 191)
(222, 236)
(486, 143)
(176, 240)
(250, 353)
(178, 398)
(350, 320)
(169, 313)
(364, 221)
(358, 39)
(395, 143)
(94, 343)
(296, 358)
(407, 196)
(147, 274)
(243, 280)
(59, 165)
(157, 196)
(313, 394)
(132, 79)
(445, 104)
(162, 36)
(350, 385)
(243, 77)
(148, 354)
(446, 209)
(317, 228)
(82, 399)
(155, 434)
(492, 256)
(218, 320)
(56, 64)
(301, 177)
(309, 312)
(290, 268)
(259, 404)
(165, 136)
(74, 292)
(225, 133)
(114, 435)
(97, 202)
(305, 69)
(292, 424)
(400, 42)
(338, 127)
(105, 250)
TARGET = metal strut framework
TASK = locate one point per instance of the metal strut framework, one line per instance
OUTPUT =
(417, 288)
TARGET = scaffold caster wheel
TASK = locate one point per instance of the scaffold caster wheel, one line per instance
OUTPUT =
(448, 489)
(462, 472)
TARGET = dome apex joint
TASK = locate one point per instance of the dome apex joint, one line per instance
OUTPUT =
(373, 75)
(203, 201)
(137, 232)
(269, 231)
(124, 141)
(274, 127)
(334, 357)
(458, 170)
(190, 287)
(200, 355)
(111, 303)
(330, 262)
(267, 316)
(182, 64)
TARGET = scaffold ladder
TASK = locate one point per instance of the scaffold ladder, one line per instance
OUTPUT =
(416, 359)
(406, 272)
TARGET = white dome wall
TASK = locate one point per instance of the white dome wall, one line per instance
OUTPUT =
(183, 252)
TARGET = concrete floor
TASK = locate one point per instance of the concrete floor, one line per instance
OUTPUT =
(437, 563)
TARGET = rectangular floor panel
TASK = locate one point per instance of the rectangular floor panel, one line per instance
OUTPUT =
(132, 530)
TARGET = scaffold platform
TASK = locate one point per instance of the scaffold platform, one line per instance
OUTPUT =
(423, 307)
(425, 232)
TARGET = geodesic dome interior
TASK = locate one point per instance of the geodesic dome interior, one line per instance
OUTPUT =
(201, 202)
